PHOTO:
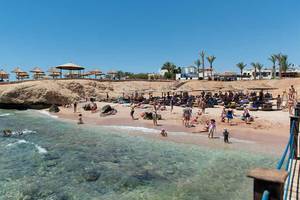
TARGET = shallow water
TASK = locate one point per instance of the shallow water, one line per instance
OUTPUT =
(59, 160)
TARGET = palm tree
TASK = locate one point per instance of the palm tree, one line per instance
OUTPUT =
(171, 68)
(168, 66)
(278, 58)
(241, 66)
(259, 67)
(284, 63)
(202, 54)
(211, 59)
(198, 63)
(254, 65)
(273, 59)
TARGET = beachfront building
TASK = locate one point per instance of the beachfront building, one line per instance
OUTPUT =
(226, 76)
(191, 73)
(266, 74)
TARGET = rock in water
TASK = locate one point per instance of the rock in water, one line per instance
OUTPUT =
(91, 176)
(54, 108)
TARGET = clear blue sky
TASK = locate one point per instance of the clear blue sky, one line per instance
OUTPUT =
(140, 35)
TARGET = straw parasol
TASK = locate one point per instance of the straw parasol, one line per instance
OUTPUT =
(3, 75)
(96, 72)
(53, 72)
(17, 71)
(37, 73)
(112, 73)
(23, 75)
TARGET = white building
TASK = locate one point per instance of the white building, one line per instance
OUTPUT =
(267, 73)
(192, 74)
(162, 72)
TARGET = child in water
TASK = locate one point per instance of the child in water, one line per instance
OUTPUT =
(226, 136)
(164, 133)
(80, 121)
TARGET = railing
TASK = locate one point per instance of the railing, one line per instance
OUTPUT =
(287, 157)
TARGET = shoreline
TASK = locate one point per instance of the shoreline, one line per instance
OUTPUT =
(268, 141)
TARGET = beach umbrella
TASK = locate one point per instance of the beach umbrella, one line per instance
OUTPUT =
(3, 75)
(37, 73)
(17, 71)
(23, 75)
(96, 72)
(53, 72)
(112, 73)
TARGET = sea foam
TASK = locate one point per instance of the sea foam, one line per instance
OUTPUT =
(44, 112)
(172, 133)
(40, 149)
(5, 114)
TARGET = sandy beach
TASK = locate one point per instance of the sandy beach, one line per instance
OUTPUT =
(268, 133)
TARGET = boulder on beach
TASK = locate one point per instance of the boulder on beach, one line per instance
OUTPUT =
(90, 106)
(54, 108)
(107, 110)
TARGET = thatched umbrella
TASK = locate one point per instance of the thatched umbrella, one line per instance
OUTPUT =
(84, 75)
(112, 73)
(17, 71)
(23, 75)
(53, 72)
(3, 75)
(37, 73)
(96, 72)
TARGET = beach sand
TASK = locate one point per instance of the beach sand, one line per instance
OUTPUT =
(267, 134)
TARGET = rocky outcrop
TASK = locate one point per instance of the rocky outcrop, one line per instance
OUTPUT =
(44, 93)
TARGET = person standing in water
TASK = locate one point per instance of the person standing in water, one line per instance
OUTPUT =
(80, 121)
(226, 136)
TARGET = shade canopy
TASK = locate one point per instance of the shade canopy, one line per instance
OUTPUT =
(37, 70)
(96, 72)
(23, 75)
(3, 75)
(70, 66)
(53, 70)
(112, 72)
(17, 70)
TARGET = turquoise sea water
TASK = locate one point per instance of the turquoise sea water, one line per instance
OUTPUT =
(57, 160)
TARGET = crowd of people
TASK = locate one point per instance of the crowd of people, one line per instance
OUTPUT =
(229, 100)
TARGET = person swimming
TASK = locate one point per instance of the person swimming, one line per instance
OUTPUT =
(80, 121)
(164, 133)
(7, 133)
